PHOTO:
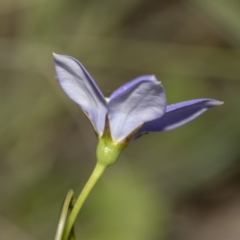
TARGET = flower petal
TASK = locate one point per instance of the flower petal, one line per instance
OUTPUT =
(178, 114)
(131, 83)
(135, 103)
(81, 88)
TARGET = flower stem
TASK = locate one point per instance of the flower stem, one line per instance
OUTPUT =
(97, 172)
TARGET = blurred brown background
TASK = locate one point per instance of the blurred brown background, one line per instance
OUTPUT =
(178, 185)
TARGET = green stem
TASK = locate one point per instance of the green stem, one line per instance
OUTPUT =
(67, 204)
(97, 172)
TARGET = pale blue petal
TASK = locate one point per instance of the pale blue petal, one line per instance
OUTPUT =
(131, 83)
(81, 88)
(142, 101)
(178, 114)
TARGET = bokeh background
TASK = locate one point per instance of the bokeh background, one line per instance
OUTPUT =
(177, 185)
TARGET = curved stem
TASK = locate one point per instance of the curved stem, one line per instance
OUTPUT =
(67, 204)
(97, 172)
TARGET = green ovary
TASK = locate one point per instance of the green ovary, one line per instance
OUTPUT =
(108, 151)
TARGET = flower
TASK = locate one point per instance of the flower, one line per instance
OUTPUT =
(135, 108)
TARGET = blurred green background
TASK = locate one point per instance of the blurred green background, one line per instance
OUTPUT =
(178, 185)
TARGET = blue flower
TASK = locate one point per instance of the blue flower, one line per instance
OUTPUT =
(135, 108)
